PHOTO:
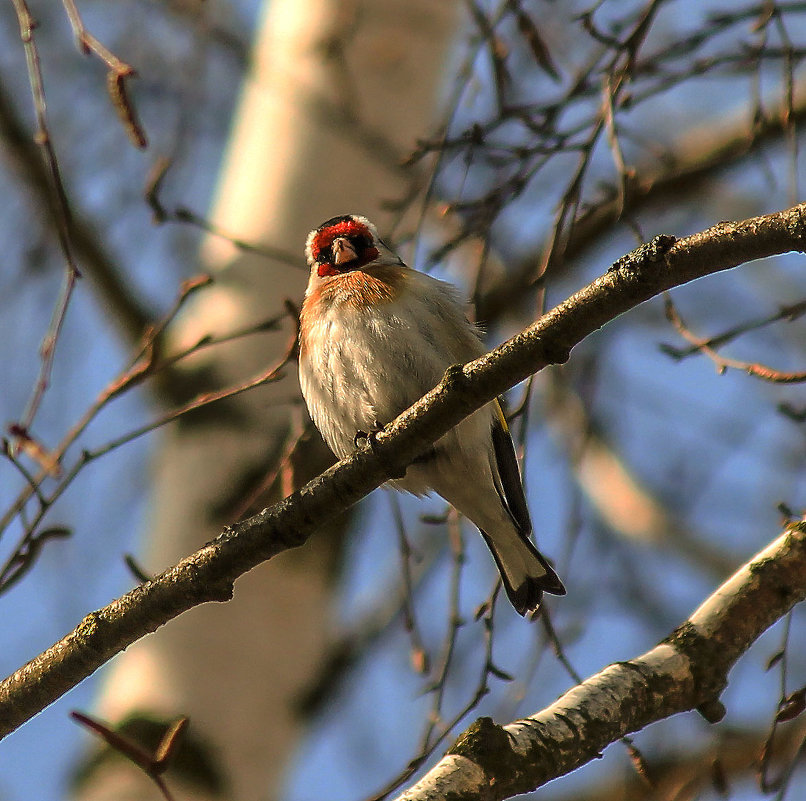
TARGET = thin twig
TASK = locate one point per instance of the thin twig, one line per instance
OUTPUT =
(419, 655)
(790, 313)
(152, 764)
(723, 363)
(117, 75)
(42, 137)
(180, 214)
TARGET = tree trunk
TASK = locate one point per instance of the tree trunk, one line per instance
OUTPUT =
(337, 93)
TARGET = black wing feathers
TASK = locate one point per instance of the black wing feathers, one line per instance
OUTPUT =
(510, 475)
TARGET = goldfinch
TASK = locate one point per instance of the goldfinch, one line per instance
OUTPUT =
(374, 337)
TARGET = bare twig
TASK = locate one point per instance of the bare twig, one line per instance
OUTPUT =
(42, 138)
(723, 362)
(118, 73)
(143, 365)
(152, 764)
(180, 214)
(419, 656)
(26, 554)
(567, 124)
(789, 313)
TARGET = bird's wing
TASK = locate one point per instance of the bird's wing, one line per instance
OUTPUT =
(508, 473)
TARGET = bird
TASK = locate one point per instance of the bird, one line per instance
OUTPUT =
(374, 337)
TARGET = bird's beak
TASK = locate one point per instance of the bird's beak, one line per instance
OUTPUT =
(343, 251)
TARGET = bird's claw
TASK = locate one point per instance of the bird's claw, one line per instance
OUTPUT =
(362, 438)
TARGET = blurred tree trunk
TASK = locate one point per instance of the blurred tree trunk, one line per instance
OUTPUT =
(338, 92)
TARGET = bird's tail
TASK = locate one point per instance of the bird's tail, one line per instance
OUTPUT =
(525, 573)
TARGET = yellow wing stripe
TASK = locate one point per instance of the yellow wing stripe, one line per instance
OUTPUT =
(501, 418)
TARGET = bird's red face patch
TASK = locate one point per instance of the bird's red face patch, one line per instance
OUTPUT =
(360, 238)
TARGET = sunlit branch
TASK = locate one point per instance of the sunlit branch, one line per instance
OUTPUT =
(688, 670)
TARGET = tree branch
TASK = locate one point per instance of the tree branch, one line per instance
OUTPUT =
(208, 575)
(731, 759)
(685, 671)
(695, 159)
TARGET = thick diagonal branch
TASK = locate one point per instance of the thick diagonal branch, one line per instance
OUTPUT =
(208, 574)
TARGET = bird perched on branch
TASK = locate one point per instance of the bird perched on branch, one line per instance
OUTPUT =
(375, 336)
